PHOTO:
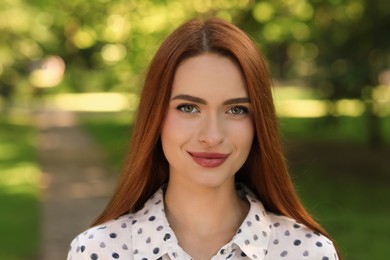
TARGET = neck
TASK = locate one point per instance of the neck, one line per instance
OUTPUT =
(198, 210)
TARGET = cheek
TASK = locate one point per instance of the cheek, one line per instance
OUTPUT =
(175, 131)
(242, 135)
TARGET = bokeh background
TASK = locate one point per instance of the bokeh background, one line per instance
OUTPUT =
(82, 63)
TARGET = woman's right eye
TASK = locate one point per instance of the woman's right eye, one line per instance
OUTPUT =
(188, 108)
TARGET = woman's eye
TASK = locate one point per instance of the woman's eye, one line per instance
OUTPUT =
(238, 110)
(186, 108)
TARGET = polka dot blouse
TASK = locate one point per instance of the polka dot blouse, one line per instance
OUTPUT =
(146, 235)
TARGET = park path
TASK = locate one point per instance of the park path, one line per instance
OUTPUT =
(76, 182)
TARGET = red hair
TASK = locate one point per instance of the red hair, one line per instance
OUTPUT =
(265, 171)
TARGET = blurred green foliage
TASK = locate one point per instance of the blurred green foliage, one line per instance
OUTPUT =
(19, 190)
(342, 45)
(106, 45)
(339, 47)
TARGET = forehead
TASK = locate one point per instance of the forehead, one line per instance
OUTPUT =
(209, 74)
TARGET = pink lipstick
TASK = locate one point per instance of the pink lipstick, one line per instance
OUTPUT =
(209, 160)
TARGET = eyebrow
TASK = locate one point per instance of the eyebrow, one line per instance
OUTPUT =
(204, 102)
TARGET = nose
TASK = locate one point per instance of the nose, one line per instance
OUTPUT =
(211, 131)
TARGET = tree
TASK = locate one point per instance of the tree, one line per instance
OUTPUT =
(339, 47)
(106, 45)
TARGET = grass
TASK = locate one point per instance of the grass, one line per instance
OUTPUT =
(343, 182)
(340, 129)
(19, 190)
(340, 180)
(112, 131)
(349, 206)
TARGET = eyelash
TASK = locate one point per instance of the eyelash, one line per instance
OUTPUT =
(183, 106)
(194, 109)
(243, 110)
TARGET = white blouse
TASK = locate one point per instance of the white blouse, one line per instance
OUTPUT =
(146, 235)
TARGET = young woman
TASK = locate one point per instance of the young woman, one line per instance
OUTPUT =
(205, 176)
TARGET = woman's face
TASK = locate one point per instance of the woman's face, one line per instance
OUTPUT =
(208, 130)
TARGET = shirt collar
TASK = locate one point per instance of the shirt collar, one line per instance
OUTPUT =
(254, 233)
(152, 237)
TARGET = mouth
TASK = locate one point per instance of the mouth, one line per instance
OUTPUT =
(209, 160)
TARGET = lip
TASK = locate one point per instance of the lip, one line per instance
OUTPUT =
(209, 160)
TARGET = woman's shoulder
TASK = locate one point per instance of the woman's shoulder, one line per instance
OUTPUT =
(109, 240)
(294, 240)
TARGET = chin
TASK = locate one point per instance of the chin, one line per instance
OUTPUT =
(212, 180)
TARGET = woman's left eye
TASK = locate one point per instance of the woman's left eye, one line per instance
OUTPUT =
(187, 108)
(238, 110)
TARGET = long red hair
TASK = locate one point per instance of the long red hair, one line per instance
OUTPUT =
(265, 171)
